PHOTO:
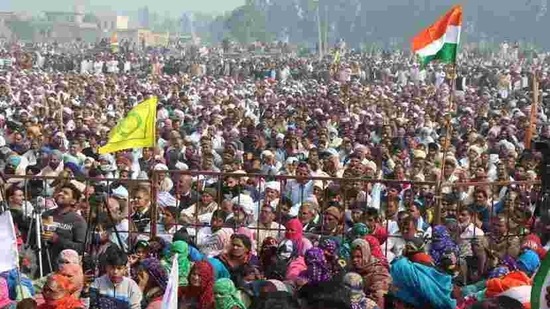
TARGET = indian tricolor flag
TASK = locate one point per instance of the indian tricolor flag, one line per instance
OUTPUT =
(440, 40)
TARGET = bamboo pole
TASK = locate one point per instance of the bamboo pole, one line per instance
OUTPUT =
(533, 115)
(448, 134)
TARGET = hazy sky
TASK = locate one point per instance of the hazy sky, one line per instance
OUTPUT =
(175, 7)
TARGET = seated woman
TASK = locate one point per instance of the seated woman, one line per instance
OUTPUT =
(318, 270)
(57, 294)
(288, 263)
(375, 275)
(182, 250)
(199, 294)
(152, 281)
(226, 295)
(420, 286)
(294, 232)
(237, 256)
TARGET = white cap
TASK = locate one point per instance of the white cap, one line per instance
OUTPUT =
(182, 166)
(245, 202)
(120, 192)
(273, 185)
(160, 167)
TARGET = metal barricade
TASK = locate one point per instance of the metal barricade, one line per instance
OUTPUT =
(308, 198)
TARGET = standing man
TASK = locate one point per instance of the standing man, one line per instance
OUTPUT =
(63, 227)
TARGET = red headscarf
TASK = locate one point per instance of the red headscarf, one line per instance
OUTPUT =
(422, 258)
(376, 251)
(57, 294)
(533, 242)
(205, 292)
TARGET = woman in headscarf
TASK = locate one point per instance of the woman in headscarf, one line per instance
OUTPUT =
(158, 248)
(330, 250)
(74, 273)
(152, 281)
(376, 251)
(294, 232)
(182, 250)
(444, 251)
(57, 294)
(375, 275)
(288, 265)
(237, 256)
(199, 294)
(251, 235)
(5, 301)
(354, 284)
(66, 257)
(317, 267)
(268, 253)
(226, 295)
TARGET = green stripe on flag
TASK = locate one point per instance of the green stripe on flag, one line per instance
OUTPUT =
(539, 281)
(446, 54)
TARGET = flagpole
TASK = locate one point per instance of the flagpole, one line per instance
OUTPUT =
(448, 134)
(533, 115)
(154, 187)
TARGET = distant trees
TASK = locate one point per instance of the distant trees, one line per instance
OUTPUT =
(247, 24)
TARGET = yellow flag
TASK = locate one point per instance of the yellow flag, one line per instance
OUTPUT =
(136, 130)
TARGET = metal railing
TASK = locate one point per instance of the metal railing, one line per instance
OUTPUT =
(436, 202)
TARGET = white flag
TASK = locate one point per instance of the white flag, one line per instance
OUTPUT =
(8, 240)
(170, 298)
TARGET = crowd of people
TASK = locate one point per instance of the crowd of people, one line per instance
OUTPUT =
(357, 181)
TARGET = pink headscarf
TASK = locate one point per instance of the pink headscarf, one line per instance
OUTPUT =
(294, 232)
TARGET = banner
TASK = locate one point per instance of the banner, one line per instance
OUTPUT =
(8, 242)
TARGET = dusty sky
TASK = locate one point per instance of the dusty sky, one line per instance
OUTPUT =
(174, 7)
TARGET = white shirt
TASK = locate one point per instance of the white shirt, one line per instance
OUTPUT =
(298, 193)
(212, 244)
(471, 232)
(274, 230)
(98, 67)
(112, 66)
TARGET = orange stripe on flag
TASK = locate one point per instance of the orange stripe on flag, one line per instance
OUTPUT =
(452, 18)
